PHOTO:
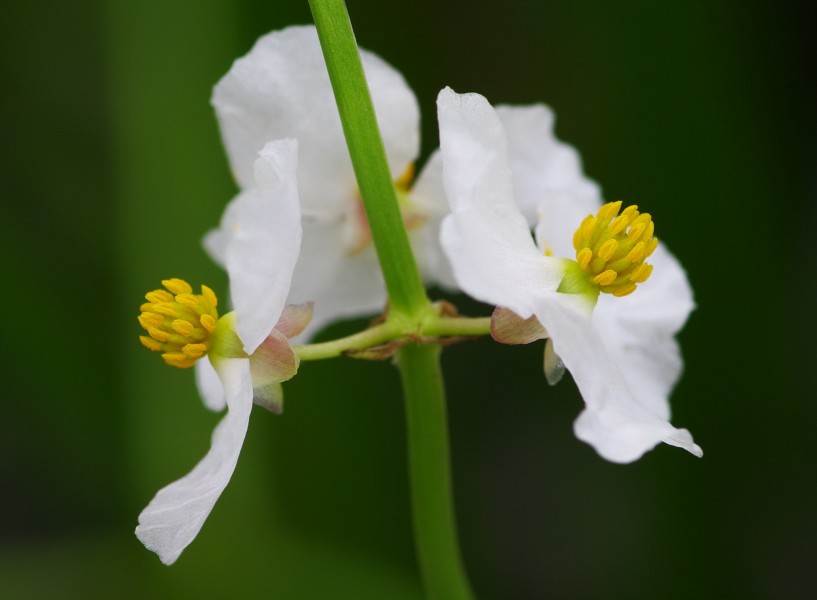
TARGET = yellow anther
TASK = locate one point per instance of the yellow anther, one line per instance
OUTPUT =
(583, 256)
(182, 327)
(180, 323)
(178, 359)
(190, 300)
(612, 245)
(150, 343)
(158, 334)
(209, 296)
(577, 236)
(208, 322)
(148, 319)
(636, 231)
(607, 249)
(637, 253)
(624, 289)
(609, 210)
(606, 278)
(177, 286)
(195, 350)
(157, 296)
(619, 224)
(588, 227)
(641, 273)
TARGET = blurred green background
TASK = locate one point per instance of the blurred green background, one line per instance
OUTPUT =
(112, 169)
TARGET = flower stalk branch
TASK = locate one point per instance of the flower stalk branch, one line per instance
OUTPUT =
(431, 331)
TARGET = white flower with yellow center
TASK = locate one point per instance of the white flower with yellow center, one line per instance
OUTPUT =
(240, 357)
(617, 341)
(281, 89)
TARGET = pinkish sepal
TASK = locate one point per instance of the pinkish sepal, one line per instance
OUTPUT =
(509, 328)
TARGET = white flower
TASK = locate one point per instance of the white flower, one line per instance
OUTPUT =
(621, 351)
(281, 89)
(241, 357)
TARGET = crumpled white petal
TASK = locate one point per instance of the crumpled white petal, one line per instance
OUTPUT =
(486, 238)
(619, 427)
(259, 241)
(281, 89)
(545, 170)
(176, 514)
(639, 331)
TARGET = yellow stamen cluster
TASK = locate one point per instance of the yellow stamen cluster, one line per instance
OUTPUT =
(611, 248)
(179, 323)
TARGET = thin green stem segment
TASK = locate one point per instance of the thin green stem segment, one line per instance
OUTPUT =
(456, 326)
(406, 293)
(374, 336)
(435, 532)
(431, 330)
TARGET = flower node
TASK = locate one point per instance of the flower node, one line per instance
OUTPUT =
(179, 323)
(611, 248)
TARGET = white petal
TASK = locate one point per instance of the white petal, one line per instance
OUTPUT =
(176, 514)
(341, 285)
(486, 239)
(209, 385)
(614, 422)
(428, 192)
(264, 244)
(217, 240)
(558, 218)
(282, 89)
(428, 195)
(639, 329)
(551, 188)
(546, 171)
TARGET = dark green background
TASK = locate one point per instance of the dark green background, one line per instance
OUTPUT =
(111, 170)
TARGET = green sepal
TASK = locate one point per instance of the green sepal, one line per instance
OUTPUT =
(576, 281)
(226, 343)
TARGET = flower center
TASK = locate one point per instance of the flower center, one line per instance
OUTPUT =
(611, 248)
(358, 234)
(179, 323)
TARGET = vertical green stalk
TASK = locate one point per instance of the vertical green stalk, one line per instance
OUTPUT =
(406, 293)
(435, 531)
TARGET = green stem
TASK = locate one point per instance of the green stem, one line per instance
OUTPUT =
(406, 293)
(431, 328)
(374, 336)
(435, 532)
(456, 326)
